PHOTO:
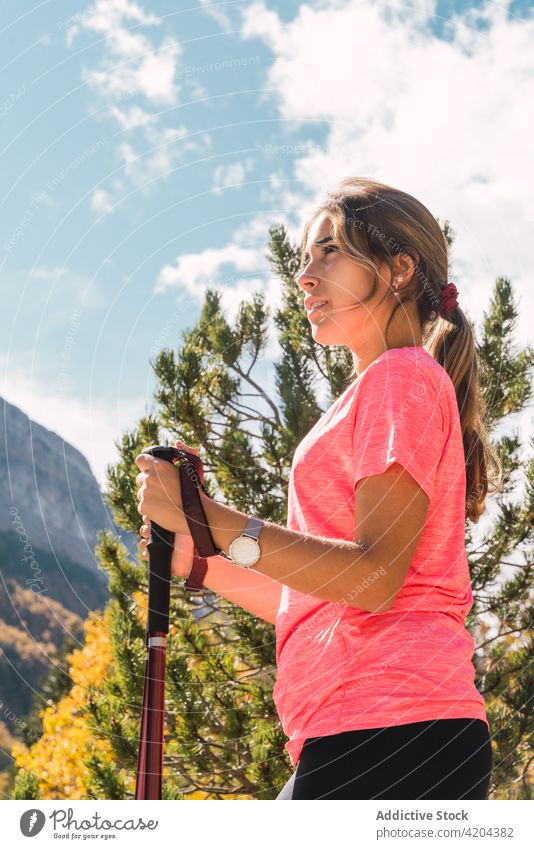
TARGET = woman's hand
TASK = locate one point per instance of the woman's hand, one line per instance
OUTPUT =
(182, 555)
(160, 491)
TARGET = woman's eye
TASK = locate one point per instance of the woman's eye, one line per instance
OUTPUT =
(325, 251)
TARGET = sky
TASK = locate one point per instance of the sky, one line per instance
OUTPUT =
(146, 148)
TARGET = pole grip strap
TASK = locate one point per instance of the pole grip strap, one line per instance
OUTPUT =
(161, 541)
(192, 479)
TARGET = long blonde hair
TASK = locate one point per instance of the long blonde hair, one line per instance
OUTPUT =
(373, 222)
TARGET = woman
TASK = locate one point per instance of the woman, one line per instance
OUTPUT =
(369, 586)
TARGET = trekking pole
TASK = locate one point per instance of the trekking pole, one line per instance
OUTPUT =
(160, 548)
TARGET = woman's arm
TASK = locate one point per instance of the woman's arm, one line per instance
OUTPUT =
(390, 513)
(252, 590)
(329, 569)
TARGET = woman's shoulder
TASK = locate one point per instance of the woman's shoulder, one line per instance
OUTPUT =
(399, 375)
(410, 363)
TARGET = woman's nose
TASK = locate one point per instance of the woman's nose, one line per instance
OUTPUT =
(306, 280)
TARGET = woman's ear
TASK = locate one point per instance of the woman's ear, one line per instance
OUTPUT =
(404, 265)
(410, 262)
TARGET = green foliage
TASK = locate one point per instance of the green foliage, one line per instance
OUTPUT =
(121, 482)
(501, 562)
(26, 786)
(106, 781)
(170, 793)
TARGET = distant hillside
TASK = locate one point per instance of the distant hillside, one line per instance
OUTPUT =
(31, 629)
(74, 586)
(47, 488)
(51, 509)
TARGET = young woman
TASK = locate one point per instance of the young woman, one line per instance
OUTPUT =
(369, 586)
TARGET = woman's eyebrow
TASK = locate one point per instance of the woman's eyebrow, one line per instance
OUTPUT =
(321, 242)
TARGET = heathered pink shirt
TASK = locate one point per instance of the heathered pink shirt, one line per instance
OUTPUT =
(341, 668)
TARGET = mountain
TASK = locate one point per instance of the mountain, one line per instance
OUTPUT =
(32, 627)
(51, 509)
(48, 492)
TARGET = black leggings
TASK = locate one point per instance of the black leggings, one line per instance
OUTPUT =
(437, 759)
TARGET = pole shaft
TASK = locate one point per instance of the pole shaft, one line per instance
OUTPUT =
(150, 758)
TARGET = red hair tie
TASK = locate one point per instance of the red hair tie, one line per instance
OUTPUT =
(449, 299)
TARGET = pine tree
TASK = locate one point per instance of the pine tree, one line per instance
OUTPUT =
(501, 619)
(223, 736)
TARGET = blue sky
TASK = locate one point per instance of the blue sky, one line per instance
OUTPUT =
(146, 149)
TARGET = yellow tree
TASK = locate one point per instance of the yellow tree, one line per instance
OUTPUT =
(58, 758)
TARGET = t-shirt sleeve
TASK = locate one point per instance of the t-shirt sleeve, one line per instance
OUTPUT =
(398, 419)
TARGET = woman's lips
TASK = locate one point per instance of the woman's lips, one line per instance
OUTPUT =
(317, 310)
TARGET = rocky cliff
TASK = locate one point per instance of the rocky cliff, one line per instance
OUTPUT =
(48, 493)
(51, 509)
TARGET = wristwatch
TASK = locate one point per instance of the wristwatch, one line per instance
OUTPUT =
(245, 550)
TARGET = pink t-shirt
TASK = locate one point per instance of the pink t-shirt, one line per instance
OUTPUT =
(342, 668)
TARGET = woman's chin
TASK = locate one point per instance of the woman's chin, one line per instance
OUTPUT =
(328, 333)
(317, 318)
(324, 334)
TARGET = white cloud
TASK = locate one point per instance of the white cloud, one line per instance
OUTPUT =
(133, 65)
(132, 60)
(235, 271)
(133, 118)
(195, 273)
(167, 145)
(218, 13)
(157, 73)
(261, 22)
(442, 118)
(255, 230)
(101, 201)
(231, 176)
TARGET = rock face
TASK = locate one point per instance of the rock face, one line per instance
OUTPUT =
(48, 491)
(51, 509)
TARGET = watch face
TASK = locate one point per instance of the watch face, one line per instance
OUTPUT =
(244, 551)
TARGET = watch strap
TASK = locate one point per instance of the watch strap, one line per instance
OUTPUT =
(253, 528)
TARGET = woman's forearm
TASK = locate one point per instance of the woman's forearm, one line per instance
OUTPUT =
(252, 590)
(330, 569)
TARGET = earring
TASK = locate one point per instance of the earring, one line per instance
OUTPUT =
(396, 285)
